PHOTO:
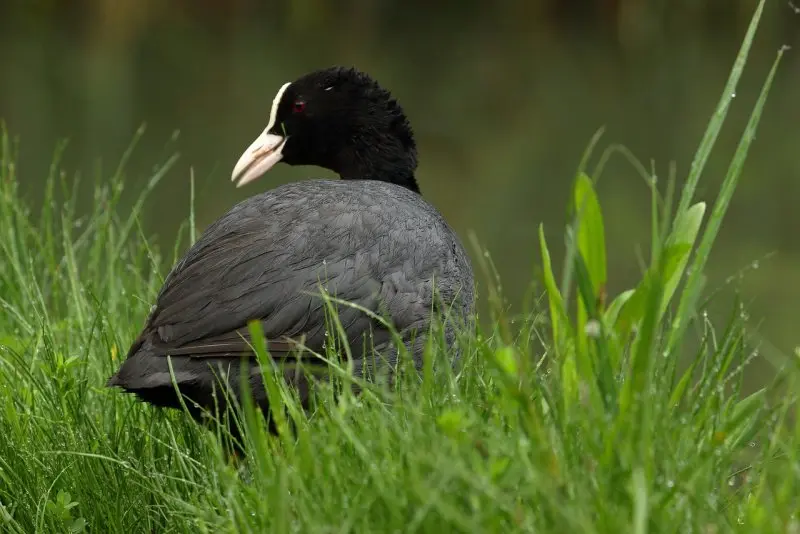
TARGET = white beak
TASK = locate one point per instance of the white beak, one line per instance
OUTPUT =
(258, 158)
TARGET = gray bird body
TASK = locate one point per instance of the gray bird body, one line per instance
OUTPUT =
(375, 244)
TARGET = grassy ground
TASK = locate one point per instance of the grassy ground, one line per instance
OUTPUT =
(578, 417)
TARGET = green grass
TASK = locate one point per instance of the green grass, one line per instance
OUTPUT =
(581, 416)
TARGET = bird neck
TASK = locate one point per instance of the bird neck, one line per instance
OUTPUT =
(393, 166)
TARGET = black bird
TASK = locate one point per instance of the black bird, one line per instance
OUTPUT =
(369, 239)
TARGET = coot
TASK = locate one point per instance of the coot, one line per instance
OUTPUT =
(369, 239)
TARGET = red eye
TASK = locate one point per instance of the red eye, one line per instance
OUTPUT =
(298, 106)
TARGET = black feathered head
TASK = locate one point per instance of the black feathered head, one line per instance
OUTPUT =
(339, 119)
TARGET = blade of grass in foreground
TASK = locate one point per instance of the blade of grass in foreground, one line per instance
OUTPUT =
(721, 206)
(718, 119)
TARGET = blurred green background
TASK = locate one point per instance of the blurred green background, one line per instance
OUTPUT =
(504, 97)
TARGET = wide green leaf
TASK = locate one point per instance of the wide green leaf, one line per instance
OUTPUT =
(679, 247)
(590, 231)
